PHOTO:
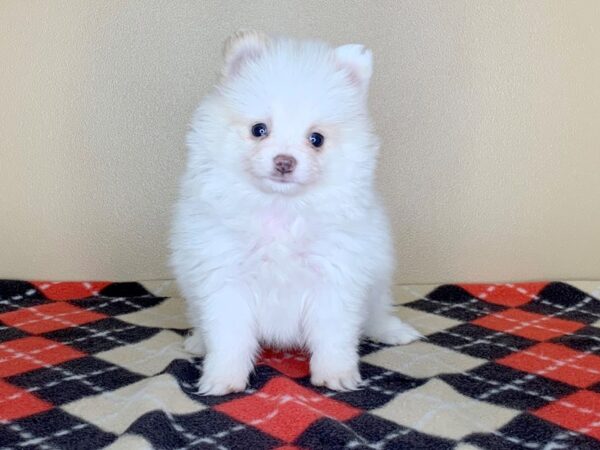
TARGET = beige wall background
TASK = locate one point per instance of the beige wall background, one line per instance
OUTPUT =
(489, 114)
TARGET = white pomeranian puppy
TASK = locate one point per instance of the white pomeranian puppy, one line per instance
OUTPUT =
(279, 236)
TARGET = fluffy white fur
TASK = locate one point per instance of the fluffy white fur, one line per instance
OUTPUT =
(304, 261)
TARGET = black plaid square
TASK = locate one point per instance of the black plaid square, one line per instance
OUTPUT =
(102, 335)
(454, 302)
(378, 388)
(125, 289)
(565, 302)
(10, 333)
(16, 289)
(54, 429)
(479, 342)
(368, 432)
(19, 294)
(114, 306)
(74, 380)
(594, 388)
(586, 339)
(507, 387)
(206, 429)
(367, 346)
(528, 432)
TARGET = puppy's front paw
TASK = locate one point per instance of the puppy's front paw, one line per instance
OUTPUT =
(393, 331)
(223, 385)
(194, 343)
(335, 375)
(221, 377)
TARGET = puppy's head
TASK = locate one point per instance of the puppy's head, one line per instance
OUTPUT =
(295, 113)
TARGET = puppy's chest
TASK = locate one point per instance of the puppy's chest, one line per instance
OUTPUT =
(282, 246)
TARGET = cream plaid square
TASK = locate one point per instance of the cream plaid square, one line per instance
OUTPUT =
(424, 322)
(422, 360)
(168, 314)
(114, 411)
(147, 357)
(437, 409)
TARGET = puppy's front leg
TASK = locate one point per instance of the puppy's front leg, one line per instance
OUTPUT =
(333, 331)
(231, 342)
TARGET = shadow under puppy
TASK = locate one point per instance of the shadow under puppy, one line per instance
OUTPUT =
(279, 235)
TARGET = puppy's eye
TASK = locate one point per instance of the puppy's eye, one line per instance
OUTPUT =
(259, 130)
(316, 139)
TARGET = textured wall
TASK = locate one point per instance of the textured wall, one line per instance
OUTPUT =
(489, 113)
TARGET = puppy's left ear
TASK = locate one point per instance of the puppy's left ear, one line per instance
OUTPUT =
(357, 61)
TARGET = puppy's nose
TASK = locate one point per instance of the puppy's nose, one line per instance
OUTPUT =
(284, 164)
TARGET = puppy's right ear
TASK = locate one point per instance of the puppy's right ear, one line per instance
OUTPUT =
(357, 61)
(241, 47)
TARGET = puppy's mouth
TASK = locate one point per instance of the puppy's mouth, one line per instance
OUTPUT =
(283, 184)
(281, 179)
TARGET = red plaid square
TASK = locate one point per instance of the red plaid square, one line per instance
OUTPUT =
(285, 409)
(16, 403)
(294, 364)
(528, 325)
(557, 362)
(505, 294)
(23, 355)
(578, 412)
(69, 290)
(49, 317)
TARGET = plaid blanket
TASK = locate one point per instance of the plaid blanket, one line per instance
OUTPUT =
(509, 366)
